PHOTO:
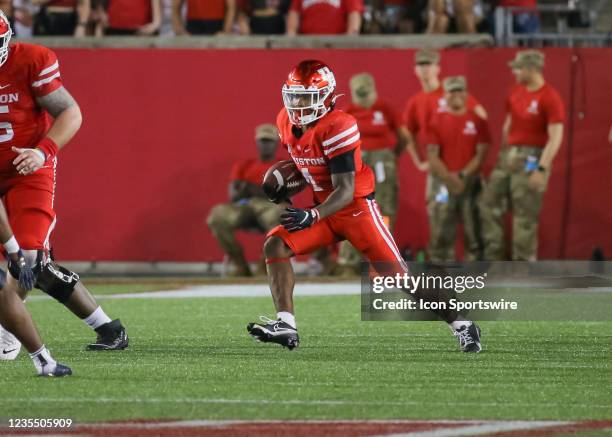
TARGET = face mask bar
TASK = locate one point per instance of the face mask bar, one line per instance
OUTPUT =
(305, 106)
(5, 39)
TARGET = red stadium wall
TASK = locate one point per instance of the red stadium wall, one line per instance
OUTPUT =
(162, 128)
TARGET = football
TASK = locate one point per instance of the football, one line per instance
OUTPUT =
(283, 180)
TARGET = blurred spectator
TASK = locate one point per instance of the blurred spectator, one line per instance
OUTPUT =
(394, 16)
(204, 17)
(324, 17)
(526, 20)
(130, 17)
(262, 17)
(61, 17)
(24, 12)
(248, 207)
(466, 14)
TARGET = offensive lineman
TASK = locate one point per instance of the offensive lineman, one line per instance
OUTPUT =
(325, 146)
(31, 90)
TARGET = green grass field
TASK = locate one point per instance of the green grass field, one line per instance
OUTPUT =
(192, 359)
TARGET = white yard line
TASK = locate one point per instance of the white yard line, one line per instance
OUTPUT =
(480, 429)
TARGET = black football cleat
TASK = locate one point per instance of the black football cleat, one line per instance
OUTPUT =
(111, 337)
(59, 371)
(469, 338)
(274, 331)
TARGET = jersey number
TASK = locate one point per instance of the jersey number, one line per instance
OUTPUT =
(311, 180)
(6, 126)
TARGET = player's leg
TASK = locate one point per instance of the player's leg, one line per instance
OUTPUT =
(493, 204)
(16, 320)
(279, 247)
(29, 205)
(223, 221)
(369, 235)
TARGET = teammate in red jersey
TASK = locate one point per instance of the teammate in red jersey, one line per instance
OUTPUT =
(324, 143)
(37, 117)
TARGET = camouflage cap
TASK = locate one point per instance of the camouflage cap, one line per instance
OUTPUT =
(266, 132)
(528, 58)
(362, 81)
(426, 56)
(455, 83)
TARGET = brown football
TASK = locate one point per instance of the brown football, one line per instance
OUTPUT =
(283, 180)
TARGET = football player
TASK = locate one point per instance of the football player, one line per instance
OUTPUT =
(325, 146)
(13, 313)
(37, 117)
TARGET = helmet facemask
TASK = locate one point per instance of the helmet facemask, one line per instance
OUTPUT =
(5, 38)
(304, 106)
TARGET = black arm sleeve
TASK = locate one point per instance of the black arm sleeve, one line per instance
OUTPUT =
(344, 163)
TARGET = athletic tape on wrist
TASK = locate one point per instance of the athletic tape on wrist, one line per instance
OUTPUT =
(48, 147)
(11, 245)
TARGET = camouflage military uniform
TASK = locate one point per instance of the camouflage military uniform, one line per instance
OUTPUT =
(508, 189)
(445, 211)
(254, 213)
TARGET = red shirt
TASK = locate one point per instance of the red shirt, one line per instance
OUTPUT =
(250, 170)
(206, 9)
(325, 16)
(30, 71)
(457, 136)
(531, 114)
(377, 125)
(334, 134)
(422, 106)
(129, 14)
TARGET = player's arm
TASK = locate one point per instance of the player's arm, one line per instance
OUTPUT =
(67, 120)
(342, 168)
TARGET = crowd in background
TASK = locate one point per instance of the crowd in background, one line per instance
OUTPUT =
(262, 17)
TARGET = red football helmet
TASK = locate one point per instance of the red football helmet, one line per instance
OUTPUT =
(308, 92)
(5, 37)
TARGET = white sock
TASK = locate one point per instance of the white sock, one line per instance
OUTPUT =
(43, 361)
(288, 318)
(458, 324)
(97, 318)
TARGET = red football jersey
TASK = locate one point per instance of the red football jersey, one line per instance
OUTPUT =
(377, 125)
(421, 107)
(531, 113)
(457, 136)
(334, 134)
(325, 16)
(250, 170)
(30, 71)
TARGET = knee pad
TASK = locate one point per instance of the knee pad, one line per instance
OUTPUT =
(57, 281)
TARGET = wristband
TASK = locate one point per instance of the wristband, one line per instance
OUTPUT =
(11, 245)
(48, 147)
